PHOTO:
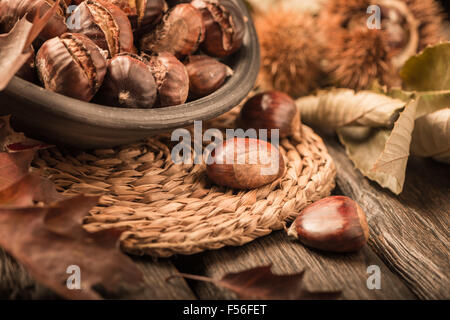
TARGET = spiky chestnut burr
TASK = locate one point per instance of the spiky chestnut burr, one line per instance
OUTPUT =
(357, 56)
(290, 52)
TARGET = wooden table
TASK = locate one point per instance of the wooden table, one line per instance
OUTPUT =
(409, 241)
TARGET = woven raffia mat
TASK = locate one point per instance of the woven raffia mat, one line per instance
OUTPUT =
(173, 209)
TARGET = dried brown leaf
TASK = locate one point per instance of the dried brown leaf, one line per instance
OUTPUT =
(31, 189)
(431, 136)
(12, 141)
(14, 46)
(382, 155)
(260, 283)
(13, 167)
(47, 240)
(343, 107)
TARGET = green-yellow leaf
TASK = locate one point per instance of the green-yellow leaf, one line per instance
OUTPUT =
(429, 70)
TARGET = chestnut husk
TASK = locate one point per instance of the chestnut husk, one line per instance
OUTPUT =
(171, 78)
(245, 175)
(105, 24)
(206, 75)
(71, 65)
(224, 26)
(271, 110)
(180, 32)
(129, 83)
(13, 10)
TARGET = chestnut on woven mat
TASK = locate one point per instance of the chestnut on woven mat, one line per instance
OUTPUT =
(174, 209)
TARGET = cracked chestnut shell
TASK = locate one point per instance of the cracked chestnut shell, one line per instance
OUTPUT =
(129, 83)
(271, 110)
(171, 78)
(71, 65)
(13, 10)
(245, 163)
(105, 24)
(206, 75)
(224, 26)
(180, 32)
(336, 224)
(142, 13)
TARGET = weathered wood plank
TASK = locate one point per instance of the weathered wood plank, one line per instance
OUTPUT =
(409, 232)
(15, 282)
(347, 272)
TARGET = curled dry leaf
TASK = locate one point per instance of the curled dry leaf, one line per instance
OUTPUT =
(343, 107)
(260, 283)
(14, 46)
(382, 156)
(431, 136)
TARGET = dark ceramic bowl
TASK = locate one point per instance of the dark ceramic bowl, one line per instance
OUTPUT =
(58, 119)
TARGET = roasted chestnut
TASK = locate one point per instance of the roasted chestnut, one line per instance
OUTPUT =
(13, 10)
(271, 110)
(171, 77)
(105, 24)
(180, 32)
(142, 13)
(245, 163)
(129, 83)
(206, 75)
(224, 26)
(71, 65)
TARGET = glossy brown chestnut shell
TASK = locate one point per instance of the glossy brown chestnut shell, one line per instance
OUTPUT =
(129, 83)
(71, 65)
(206, 75)
(336, 224)
(245, 163)
(224, 26)
(171, 78)
(13, 10)
(271, 110)
(105, 24)
(180, 32)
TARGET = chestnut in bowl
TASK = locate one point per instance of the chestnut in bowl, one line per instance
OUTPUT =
(58, 119)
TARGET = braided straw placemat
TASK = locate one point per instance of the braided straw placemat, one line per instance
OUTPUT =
(173, 209)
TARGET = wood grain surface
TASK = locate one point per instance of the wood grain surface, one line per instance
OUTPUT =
(409, 241)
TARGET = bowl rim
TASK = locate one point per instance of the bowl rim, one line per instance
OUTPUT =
(229, 95)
